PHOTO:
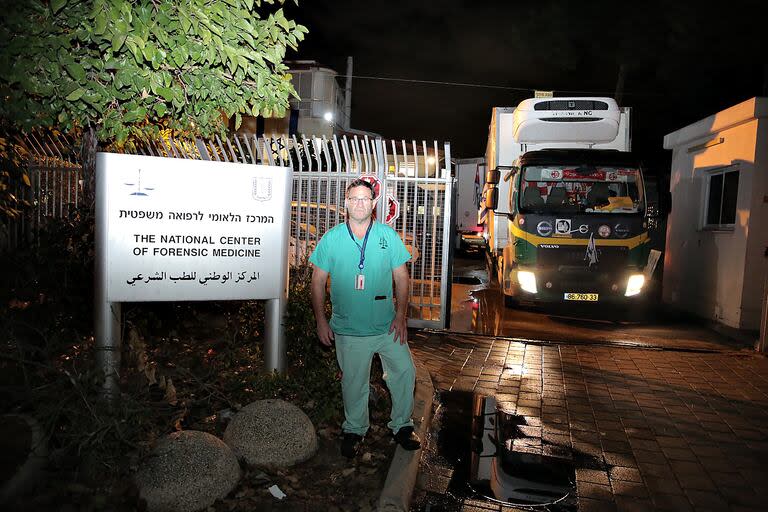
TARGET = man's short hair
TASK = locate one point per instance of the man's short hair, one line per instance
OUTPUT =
(359, 182)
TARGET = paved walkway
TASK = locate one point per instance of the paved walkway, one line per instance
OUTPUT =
(676, 430)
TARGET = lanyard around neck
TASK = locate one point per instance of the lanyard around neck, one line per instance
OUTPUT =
(365, 241)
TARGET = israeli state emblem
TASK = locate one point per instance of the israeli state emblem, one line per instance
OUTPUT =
(262, 189)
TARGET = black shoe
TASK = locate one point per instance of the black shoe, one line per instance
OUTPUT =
(408, 439)
(351, 444)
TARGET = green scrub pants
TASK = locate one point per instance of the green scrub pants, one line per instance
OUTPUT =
(355, 354)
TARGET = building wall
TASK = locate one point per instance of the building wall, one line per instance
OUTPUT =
(756, 262)
(705, 271)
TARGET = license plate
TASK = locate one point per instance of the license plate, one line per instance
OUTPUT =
(589, 297)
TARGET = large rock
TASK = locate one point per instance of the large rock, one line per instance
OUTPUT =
(187, 471)
(24, 453)
(271, 433)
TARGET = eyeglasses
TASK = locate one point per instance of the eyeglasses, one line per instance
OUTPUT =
(357, 200)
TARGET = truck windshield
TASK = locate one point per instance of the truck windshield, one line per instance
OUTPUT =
(583, 189)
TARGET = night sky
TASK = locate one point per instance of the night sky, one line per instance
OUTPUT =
(683, 61)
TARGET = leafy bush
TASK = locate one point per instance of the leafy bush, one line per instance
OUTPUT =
(187, 365)
(312, 378)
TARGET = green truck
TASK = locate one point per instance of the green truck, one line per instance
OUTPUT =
(566, 200)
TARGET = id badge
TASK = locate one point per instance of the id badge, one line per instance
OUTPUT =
(360, 282)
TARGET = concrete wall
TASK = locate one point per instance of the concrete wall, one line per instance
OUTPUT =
(756, 261)
(712, 273)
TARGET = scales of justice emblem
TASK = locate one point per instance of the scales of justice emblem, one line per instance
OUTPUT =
(262, 189)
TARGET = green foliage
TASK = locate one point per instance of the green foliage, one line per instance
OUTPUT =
(312, 378)
(131, 68)
(56, 275)
(186, 365)
(14, 181)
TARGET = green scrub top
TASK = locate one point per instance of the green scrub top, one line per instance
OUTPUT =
(370, 311)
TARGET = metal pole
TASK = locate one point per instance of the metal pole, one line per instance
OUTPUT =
(347, 121)
(274, 343)
(381, 174)
(275, 335)
(448, 233)
(106, 314)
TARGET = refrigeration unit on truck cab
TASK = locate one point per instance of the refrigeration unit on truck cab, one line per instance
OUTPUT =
(570, 199)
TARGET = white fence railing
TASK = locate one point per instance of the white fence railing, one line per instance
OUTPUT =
(415, 189)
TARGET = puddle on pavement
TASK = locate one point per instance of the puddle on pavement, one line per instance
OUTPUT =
(470, 461)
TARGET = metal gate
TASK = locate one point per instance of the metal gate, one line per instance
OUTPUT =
(415, 180)
(53, 189)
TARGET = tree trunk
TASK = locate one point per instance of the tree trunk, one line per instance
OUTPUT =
(88, 159)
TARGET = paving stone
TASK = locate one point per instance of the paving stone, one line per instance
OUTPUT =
(723, 478)
(583, 425)
(644, 444)
(639, 433)
(627, 474)
(614, 435)
(590, 505)
(633, 489)
(558, 438)
(709, 499)
(620, 459)
(616, 446)
(587, 449)
(747, 461)
(716, 426)
(707, 450)
(697, 482)
(677, 425)
(751, 434)
(648, 469)
(594, 491)
(592, 476)
(683, 454)
(682, 467)
(671, 502)
(633, 504)
(744, 496)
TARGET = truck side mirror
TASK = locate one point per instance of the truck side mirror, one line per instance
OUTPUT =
(492, 177)
(492, 198)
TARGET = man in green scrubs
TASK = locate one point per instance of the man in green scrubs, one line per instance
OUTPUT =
(362, 257)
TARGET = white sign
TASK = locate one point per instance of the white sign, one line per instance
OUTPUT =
(180, 229)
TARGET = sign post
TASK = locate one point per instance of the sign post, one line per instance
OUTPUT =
(393, 209)
(172, 229)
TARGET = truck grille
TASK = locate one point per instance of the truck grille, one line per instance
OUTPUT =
(609, 258)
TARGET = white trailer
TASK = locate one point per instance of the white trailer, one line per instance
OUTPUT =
(470, 178)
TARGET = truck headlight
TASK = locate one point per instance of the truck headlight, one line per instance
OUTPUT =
(634, 284)
(527, 281)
